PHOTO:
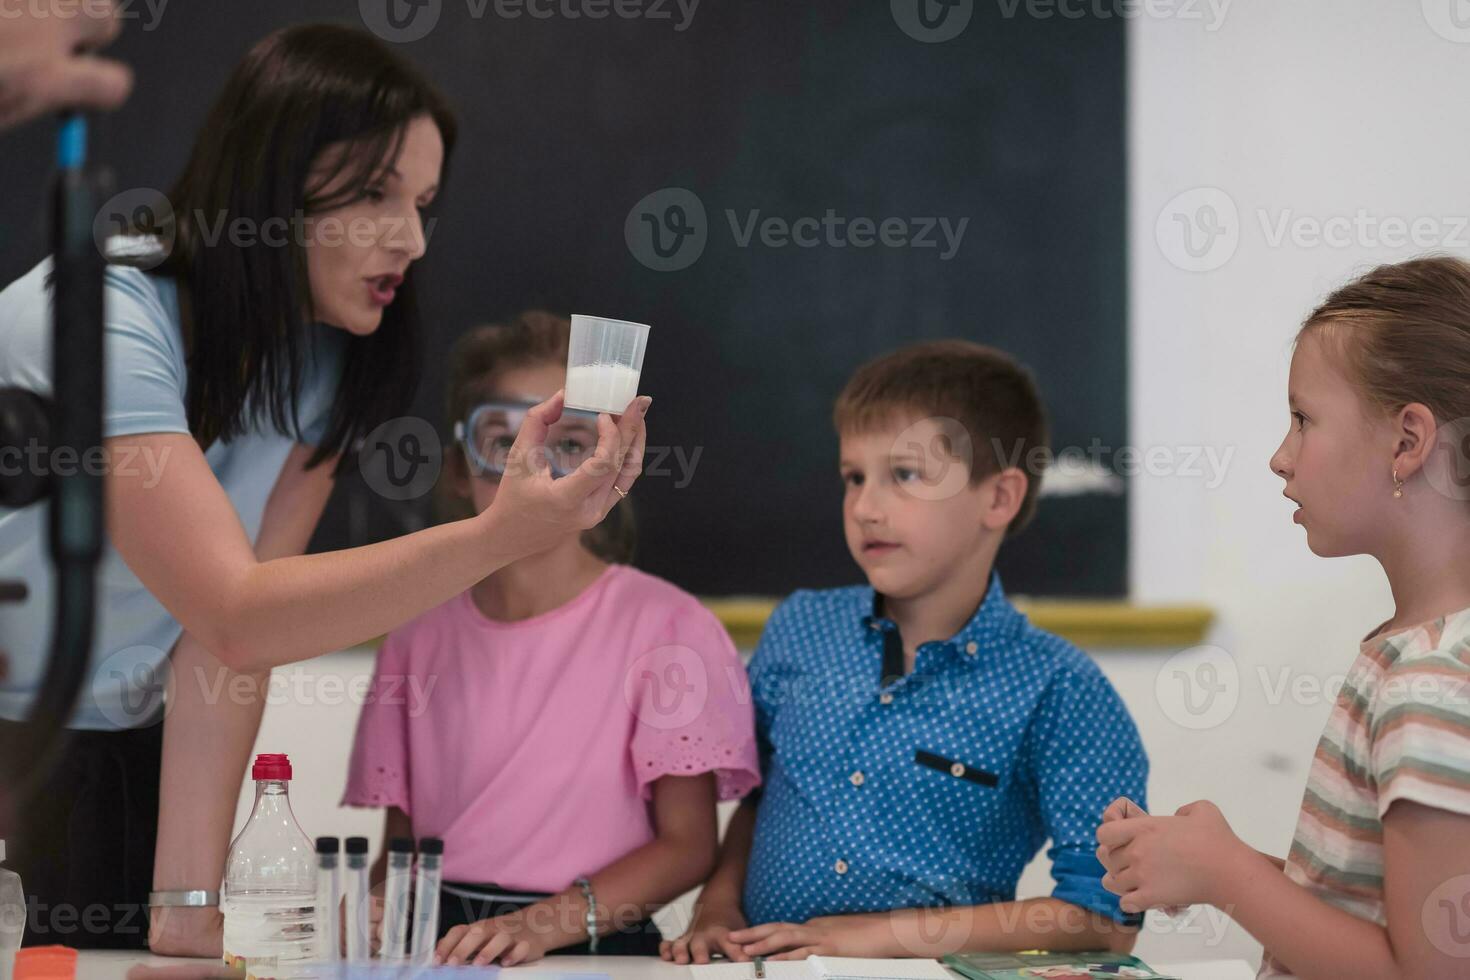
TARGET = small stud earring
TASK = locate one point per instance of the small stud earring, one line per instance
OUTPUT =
(1398, 485)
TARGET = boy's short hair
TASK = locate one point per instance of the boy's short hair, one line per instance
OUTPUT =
(984, 389)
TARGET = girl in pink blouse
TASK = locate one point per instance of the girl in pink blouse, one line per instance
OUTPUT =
(568, 724)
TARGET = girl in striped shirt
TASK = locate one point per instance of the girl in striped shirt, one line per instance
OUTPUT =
(1377, 883)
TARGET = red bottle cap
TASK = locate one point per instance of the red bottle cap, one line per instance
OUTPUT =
(271, 765)
(45, 963)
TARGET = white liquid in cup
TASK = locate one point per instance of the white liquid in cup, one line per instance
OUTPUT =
(604, 360)
(601, 387)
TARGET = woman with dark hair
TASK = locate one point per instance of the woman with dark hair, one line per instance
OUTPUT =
(248, 349)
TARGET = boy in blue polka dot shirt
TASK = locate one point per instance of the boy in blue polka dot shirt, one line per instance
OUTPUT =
(920, 739)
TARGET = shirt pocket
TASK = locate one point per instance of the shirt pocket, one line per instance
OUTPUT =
(955, 770)
(958, 802)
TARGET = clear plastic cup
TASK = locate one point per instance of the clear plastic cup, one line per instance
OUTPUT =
(604, 363)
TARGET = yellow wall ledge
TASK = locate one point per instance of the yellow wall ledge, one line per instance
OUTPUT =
(1087, 623)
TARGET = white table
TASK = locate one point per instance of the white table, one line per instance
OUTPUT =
(115, 965)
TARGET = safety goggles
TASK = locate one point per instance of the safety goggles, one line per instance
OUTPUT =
(490, 429)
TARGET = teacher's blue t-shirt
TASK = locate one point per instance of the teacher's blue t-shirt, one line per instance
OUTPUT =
(146, 382)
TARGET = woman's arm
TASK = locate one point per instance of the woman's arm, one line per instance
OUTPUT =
(175, 527)
(206, 745)
(213, 717)
(680, 856)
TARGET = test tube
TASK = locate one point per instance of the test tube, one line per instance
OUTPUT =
(359, 942)
(395, 899)
(426, 900)
(328, 900)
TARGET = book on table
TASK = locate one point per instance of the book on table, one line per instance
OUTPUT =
(827, 968)
(1036, 965)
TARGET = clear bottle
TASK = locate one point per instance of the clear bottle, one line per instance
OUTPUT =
(12, 916)
(269, 894)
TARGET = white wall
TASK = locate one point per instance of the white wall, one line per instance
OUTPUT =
(1305, 108)
(1302, 108)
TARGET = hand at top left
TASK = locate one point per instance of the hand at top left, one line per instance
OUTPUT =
(45, 64)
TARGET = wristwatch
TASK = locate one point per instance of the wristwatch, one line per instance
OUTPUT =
(183, 899)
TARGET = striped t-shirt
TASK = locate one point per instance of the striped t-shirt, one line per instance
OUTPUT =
(1400, 730)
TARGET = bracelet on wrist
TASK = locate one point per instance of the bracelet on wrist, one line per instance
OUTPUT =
(587, 894)
(183, 898)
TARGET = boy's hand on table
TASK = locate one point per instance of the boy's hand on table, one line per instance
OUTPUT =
(829, 935)
(186, 932)
(707, 935)
(1156, 862)
(508, 938)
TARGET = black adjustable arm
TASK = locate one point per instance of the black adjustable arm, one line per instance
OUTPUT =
(74, 420)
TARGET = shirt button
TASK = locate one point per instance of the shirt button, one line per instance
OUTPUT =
(972, 647)
(957, 770)
(840, 867)
(856, 778)
(885, 698)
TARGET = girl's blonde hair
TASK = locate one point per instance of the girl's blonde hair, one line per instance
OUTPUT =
(476, 363)
(1402, 333)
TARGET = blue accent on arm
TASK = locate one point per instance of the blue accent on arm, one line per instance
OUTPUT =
(71, 142)
(1079, 881)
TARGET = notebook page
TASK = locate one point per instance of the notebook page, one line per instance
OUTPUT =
(857, 968)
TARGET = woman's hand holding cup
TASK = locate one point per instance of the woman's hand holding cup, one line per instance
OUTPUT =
(534, 510)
